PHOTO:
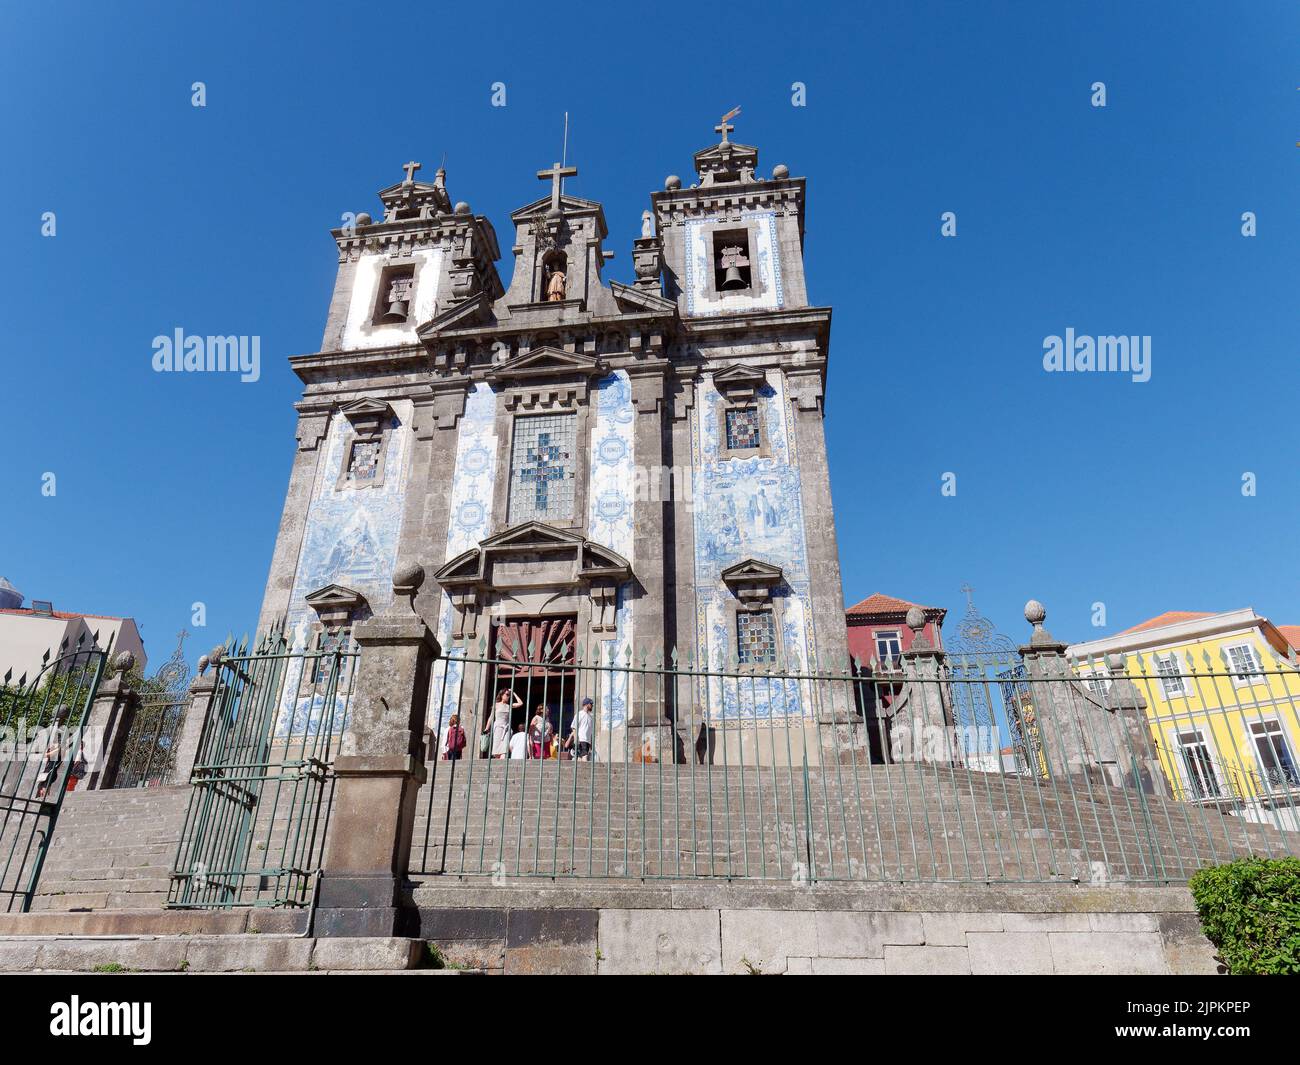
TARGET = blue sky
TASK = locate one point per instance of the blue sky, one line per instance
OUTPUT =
(1071, 488)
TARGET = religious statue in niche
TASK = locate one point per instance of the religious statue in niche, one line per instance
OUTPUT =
(555, 281)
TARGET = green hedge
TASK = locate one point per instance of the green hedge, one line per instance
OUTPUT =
(1250, 910)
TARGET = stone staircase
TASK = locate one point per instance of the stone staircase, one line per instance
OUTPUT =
(840, 822)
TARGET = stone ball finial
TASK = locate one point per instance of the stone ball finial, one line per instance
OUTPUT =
(216, 655)
(364, 219)
(203, 664)
(408, 578)
(1035, 613)
(915, 619)
(780, 172)
(672, 182)
(1115, 663)
(123, 662)
(462, 208)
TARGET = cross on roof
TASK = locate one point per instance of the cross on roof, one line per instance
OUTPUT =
(410, 169)
(723, 127)
(967, 589)
(556, 175)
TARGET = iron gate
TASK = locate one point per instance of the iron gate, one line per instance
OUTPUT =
(263, 779)
(42, 723)
(148, 753)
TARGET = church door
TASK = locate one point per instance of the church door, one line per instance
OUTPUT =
(534, 658)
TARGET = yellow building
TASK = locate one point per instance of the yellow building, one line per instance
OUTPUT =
(1223, 702)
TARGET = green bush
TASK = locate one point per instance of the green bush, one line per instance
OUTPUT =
(1250, 910)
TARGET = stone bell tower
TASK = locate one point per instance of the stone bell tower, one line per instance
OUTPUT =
(628, 467)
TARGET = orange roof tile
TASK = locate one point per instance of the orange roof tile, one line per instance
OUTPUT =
(1169, 617)
(1292, 634)
(879, 603)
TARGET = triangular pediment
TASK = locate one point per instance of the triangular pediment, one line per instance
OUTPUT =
(546, 362)
(752, 571)
(365, 406)
(532, 534)
(477, 310)
(631, 298)
(739, 374)
(543, 205)
(334, 595)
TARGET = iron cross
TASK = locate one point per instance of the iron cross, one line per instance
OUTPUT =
(557, 174)
(723, 127)
(410, 169)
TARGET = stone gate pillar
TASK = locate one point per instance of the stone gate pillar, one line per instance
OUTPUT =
(1058, 702)
(926, 702)
(1135, 761)
(202, 689)
(380, 769)
(107, 724)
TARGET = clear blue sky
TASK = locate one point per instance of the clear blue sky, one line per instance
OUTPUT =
(1125, 220)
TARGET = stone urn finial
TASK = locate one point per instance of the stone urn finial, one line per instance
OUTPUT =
(203, 664)
(915, 619)
(406, 584)
(123, 663)
(1036, 614)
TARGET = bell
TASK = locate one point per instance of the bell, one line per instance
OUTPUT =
(732, 278)
(397, 311)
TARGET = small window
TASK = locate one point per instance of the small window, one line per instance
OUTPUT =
(743, 429)
(1275, 759)
(731, 260)
(1242, 661)
(1170, 678)
(889, 647)
(1198, 766)
(755, 637)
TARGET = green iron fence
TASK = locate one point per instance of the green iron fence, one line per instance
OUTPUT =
(42, 734)
(969, 768)
(263, 781)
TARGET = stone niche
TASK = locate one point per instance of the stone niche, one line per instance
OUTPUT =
(534, 570)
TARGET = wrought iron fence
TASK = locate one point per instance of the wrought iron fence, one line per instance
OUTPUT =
(263, 779)
(42, 729)
(984, 768)
(148, 754)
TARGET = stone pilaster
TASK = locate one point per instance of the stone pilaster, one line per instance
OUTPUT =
(651, 733)
(380, 769)
(107, 724)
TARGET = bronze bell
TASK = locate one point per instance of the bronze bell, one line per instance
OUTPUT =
(731, 260)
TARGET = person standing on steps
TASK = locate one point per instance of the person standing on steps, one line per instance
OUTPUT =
(502, 710)
(581, 733)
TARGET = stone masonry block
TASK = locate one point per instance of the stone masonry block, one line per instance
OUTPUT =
(926, 961)
(1010, 953)
(949, 929)
(766, 939)
(1093, 953)
(865, 935)
(660, 941)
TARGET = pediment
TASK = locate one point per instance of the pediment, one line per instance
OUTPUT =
(465, 567)
(752, 571)
(739, 382)
(631, 298)
(365, 408)
(334, 595)
(541, 206)
(477, 310)
(544, 363)
(533, 534)
(580, 559)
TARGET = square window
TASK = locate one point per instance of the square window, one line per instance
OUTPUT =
(743, 430)
(889, 646)
(1170, 678)
(755, 637)
(542, 468)
(1242, 661)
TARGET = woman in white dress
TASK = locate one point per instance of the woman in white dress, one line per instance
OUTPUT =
(506, 704)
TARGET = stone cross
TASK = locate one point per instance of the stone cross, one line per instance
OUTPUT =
(556, 175)
(723, 127)
(410, 169)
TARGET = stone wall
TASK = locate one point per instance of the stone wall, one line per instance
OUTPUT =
(702, 928)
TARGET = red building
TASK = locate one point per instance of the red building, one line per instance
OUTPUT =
(878, 633)
(878, 628)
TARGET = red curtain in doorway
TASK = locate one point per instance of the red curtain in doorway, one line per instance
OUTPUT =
(541, 648)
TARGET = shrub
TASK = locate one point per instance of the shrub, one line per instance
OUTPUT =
(1250, 910)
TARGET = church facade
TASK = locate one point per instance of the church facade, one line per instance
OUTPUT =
(575, 460)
